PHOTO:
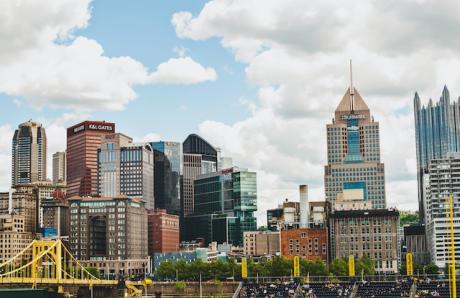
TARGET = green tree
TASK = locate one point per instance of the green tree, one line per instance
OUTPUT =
(93, 271)
(339, 267)
(431, 269)
(166, 270)
(365, 265)
(408, 218)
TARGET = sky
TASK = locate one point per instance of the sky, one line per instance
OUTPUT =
(259, 79)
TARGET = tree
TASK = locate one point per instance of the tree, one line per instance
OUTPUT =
(93, 271)
(365, 265)
(339, 267)
(431, 269)
(166, 270)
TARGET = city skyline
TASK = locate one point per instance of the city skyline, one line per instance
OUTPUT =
(261, 99)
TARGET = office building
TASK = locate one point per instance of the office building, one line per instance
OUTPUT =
(441, 181)
(14, 237)
(41, 190)
(29, 153)
(258, 243)
(167, 156)
(437, 132)
(108, 228)
(125, 168)
(163, 232)
(83, 140)
(199, 157)
(59, 168)
(373, 233)
(56, 218)
(24, 204)
(353, 152)
(225, 203)
(307, 243)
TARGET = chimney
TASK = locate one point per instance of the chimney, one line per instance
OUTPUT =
(304, 206)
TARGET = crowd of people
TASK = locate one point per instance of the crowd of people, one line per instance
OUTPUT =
(269, 290)
(427, 288)
(396, 289)
(328, 290)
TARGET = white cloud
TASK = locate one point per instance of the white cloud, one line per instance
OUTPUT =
(43, 62)
(296, 52)
(6, 136)
(150, 137)
(182, 70)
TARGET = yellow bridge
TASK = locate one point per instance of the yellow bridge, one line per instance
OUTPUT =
(48, 263)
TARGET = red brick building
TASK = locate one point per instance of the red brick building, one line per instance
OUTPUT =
(163, 232)
(83, 139)
(309, 244)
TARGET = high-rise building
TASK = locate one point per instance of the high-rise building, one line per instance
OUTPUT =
(108, 228)
(167, 175)
(199, 157)
(353, 152)
(437, 132)
(24, 204)
(56, 217)
(440, 181)
(83, 140)
(125, 168)
(59, 167)
(225, 203)
(29, 153)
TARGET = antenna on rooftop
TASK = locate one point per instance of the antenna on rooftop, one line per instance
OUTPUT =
(352, 89)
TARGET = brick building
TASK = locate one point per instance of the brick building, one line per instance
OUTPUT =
(309, 244)
(258, 243)
(163, 229)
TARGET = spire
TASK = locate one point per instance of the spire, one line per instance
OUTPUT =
(352, 90)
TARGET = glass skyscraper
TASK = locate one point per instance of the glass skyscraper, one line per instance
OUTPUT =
(437, 133)
(28, 154)
(225, 203)
(167, 175)
(353, 152)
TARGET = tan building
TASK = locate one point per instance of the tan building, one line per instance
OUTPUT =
(373, 233)
(59, 167)
(56, 219)
(108, 228)
(23, 204)
(258, 243)
(13, 236)
(41, 190)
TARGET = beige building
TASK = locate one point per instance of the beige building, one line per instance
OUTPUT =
(41, 190)
(13, 236)
(352, 199)
(373, 233)
(59, 167)
(23, 204)
(258, 243)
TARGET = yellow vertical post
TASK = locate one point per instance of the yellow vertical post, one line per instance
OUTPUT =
(244, 268)
(453, 277)
(58, 262)
(33, 273)
(351, 265)
(409, 264)
(296, 266)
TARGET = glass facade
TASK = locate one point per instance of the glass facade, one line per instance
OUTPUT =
(437, 133)
(168, 170)
(224, 207)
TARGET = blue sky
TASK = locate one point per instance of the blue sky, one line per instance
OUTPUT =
(259, 79)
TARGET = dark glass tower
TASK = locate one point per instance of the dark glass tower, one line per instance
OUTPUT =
(437, 132)
(167, 156)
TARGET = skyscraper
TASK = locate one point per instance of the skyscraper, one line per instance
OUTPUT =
(59, 167)
(199, 158)
(225, 203)
(125, 168)
(167, 176)
(83, 139)
(29, 153)
(353, 152)
(437, 132)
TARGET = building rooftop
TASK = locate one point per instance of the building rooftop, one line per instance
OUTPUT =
(364, 213)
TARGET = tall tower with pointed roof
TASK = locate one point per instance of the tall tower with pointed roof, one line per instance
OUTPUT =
(437, 133)
(353, 152)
